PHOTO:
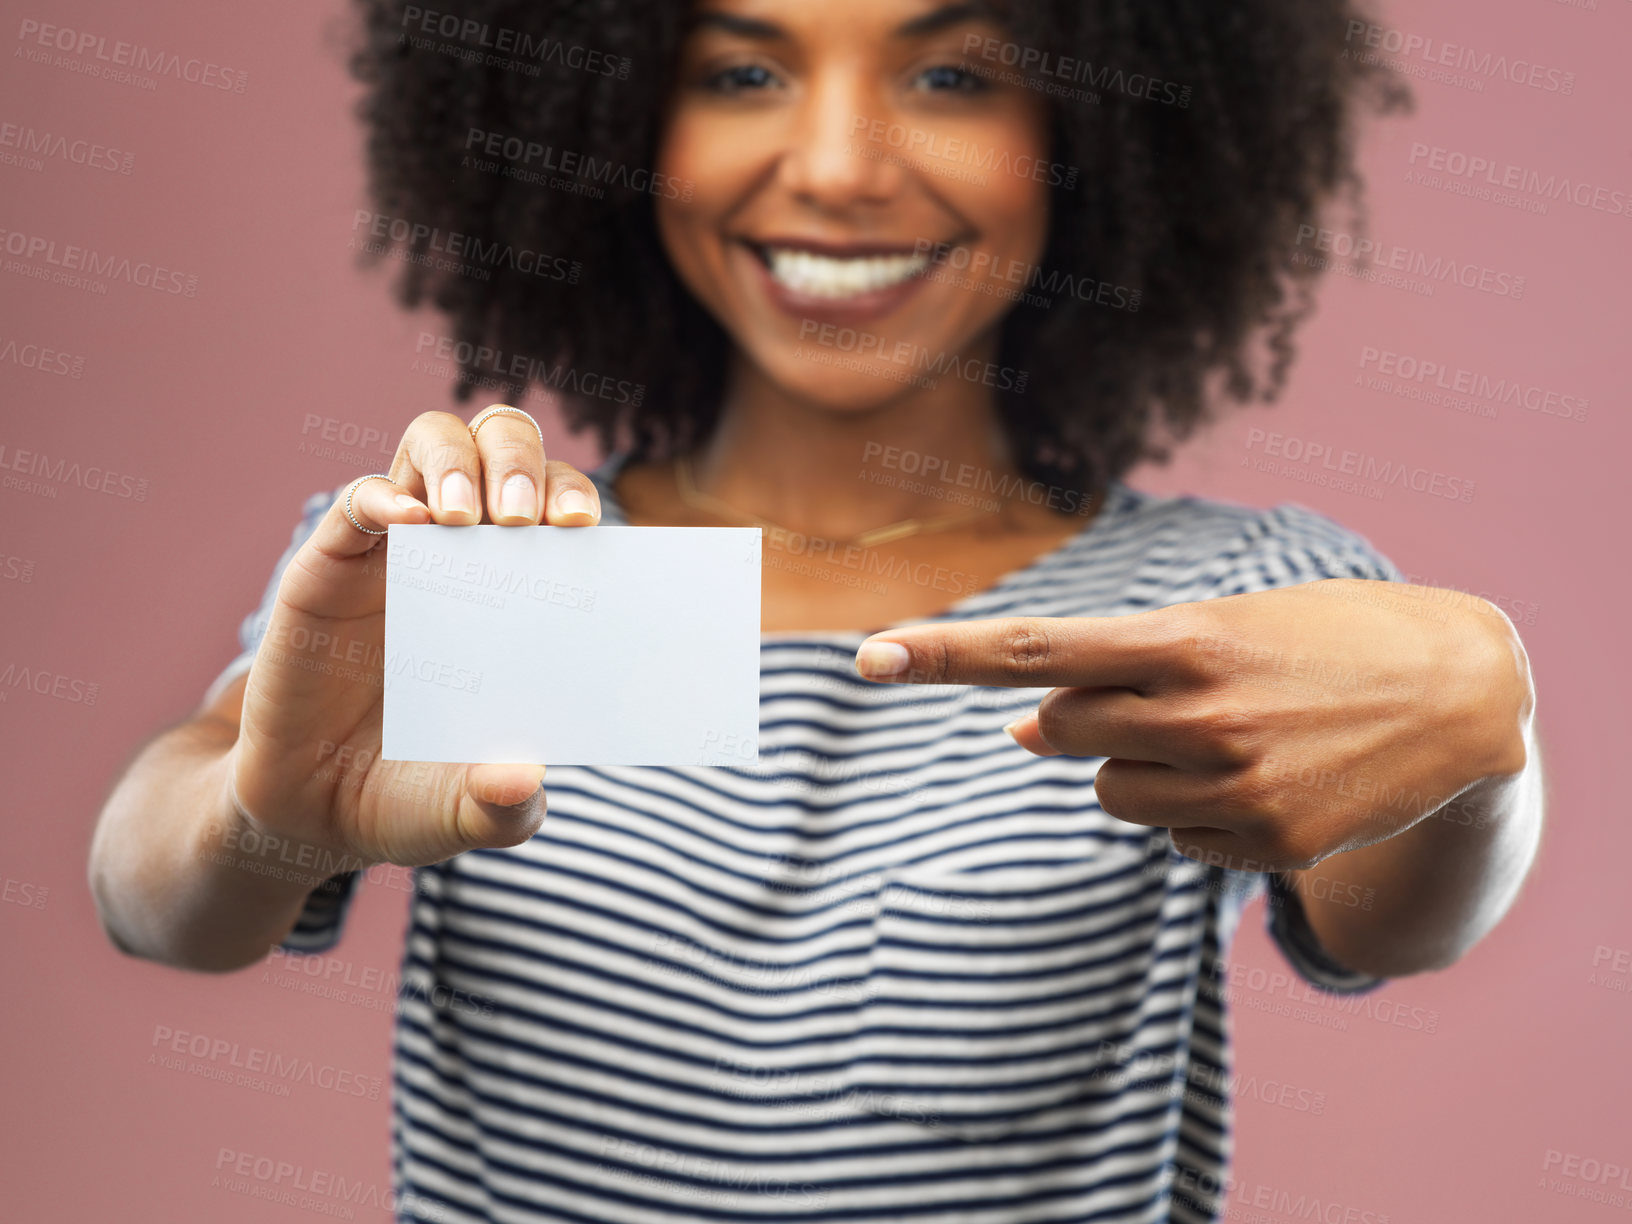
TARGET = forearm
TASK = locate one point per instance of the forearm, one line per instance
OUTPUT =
(177, 875)
(1434, 890)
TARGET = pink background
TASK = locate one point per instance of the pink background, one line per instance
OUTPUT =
(205, 398)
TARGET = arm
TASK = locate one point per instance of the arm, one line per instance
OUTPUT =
(1439, 887)
(178, 875)
(1312, 731)
(180, 870)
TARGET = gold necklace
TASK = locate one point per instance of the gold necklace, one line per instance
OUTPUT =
(692, 496)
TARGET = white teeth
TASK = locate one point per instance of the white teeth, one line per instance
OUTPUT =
(821, 276)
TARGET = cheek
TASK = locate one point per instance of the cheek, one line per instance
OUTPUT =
(676, 226)
(985, 277)
(682, 144)
(1016, 210)
(680, 158)
(1016, 198)
(712, 174)
(1006, 201)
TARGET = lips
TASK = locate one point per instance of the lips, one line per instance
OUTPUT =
(828, 276)
(839, 282)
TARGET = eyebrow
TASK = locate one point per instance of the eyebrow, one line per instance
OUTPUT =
(767, 31)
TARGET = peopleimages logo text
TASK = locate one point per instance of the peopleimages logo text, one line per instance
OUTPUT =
(74, 258)
(1361, 465)
(1458, 56)
(131, 55)
(1504, 174)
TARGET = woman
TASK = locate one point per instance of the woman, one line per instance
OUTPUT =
(911, 285)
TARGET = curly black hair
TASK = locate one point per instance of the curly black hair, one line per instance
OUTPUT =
(1193, 198)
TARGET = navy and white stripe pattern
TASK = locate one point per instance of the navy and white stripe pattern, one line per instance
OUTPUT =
(896, 969)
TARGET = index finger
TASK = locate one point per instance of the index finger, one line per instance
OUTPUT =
(1135, 651)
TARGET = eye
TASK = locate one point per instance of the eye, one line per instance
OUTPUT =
(951, 78)
(739, 78)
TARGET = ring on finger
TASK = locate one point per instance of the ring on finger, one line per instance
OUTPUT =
(503, 410)
(351, 491)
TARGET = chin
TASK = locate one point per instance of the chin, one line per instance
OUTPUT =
(855, 396)
(861, 384)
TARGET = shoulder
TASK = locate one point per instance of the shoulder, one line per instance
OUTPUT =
(315, 507)
(1248, 547)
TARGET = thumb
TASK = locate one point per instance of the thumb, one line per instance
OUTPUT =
(503, 805)
(1023, 731)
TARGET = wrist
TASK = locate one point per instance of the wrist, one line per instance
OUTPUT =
(1505, 705)
(232, 838)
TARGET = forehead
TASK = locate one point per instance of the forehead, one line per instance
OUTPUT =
(780, 19)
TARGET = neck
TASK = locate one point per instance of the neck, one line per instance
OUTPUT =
(810, 468)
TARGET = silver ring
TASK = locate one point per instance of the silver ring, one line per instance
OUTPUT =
(500, 409)
(351, 491)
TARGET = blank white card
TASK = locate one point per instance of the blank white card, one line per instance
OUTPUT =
(572, 645)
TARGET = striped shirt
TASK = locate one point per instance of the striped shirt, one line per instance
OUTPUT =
(895, 969)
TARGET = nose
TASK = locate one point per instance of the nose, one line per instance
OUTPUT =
(829, 160)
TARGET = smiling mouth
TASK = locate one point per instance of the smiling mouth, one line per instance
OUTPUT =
(836, 276)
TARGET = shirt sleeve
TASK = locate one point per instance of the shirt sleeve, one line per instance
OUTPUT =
(1291, 544)
(1287, 546)
(1289, 928)
(319, 926)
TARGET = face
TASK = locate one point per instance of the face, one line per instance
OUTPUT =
(861, 203)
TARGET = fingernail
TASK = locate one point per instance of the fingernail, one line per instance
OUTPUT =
(573, 501)
(1008, 728)
(458, 495)
(882, 658)
(406, 502)
(517, 497)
